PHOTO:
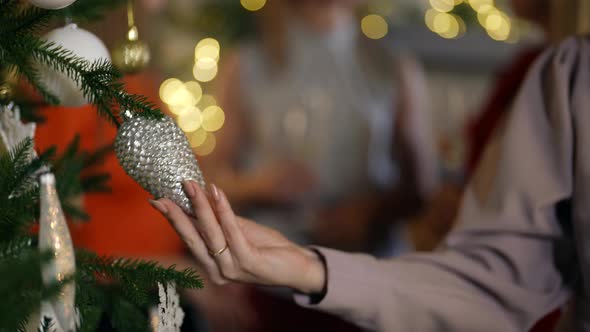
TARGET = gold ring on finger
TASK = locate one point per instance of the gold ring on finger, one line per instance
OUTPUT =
(218, 252)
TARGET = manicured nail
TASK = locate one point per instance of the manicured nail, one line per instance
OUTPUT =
(188, 188)
(159, 206)
(221, 194)
(215, 192)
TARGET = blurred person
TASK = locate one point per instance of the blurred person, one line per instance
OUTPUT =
(326, 130)
(428, 229)
(511, 258)
(519, 250)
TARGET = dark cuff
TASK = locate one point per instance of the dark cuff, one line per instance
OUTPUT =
(318, 297)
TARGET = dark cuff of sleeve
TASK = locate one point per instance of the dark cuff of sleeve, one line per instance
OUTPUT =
(316, 298)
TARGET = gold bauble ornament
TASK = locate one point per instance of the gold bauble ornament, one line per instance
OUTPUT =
(6, 93)
(8, 82)
(131, 56)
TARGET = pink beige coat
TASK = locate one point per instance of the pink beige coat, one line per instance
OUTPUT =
(521, 247)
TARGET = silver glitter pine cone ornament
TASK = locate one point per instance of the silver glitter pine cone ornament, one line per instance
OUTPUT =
(157, 154)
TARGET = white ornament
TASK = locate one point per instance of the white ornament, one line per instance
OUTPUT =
(54, 235)
(170, 314)
(12, 130)
(83, 44)
(52, 4)
(47, 311)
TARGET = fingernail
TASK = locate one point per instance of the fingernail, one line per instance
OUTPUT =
(159, 206)
(221, 194)
(188, 188)
(215, 192)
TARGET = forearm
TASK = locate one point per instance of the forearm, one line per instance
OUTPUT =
(427, 293)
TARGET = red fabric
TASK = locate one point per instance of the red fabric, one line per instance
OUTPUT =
(548, 323)
(507, 84)
(122, 222)
(278, 314)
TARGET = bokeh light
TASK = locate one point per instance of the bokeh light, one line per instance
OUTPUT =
(195, 90)
(168, 87)
(441, 19)
(444, 24)
(207, 146)
(253, 5)
(213, 118)
(479, 5)
(206, 101)
(374, 26)
(190, 120)
(443, 6)
(498, 25)
(207, 48)
(205, 70)
(198, 137)
(179, 109)
(482, 15)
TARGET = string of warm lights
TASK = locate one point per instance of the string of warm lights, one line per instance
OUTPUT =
(197, 114)
(440, 19)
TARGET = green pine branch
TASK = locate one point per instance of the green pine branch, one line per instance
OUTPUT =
(28, 20)
(16, 165)
(18, 194)
(97, 157)
(99, 81)
(17, 58)
(19, 18)
(15, 247)
(136, 277)
(74, 174)
(128, 291)
(22, 288)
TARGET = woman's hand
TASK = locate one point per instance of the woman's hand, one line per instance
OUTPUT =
(254, 253)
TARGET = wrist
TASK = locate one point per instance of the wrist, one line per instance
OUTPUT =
(314, 277)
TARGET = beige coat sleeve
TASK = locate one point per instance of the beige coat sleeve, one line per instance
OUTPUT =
(521, 245)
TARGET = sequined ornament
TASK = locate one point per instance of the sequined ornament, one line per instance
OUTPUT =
(157, 154)
(55, 236)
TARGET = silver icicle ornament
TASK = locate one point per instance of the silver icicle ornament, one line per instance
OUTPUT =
(157, 154)
(54, 235)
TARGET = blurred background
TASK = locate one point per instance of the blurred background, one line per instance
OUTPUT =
(460, 44)
(352, 124)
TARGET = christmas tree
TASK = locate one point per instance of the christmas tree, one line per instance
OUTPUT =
(116, 289)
